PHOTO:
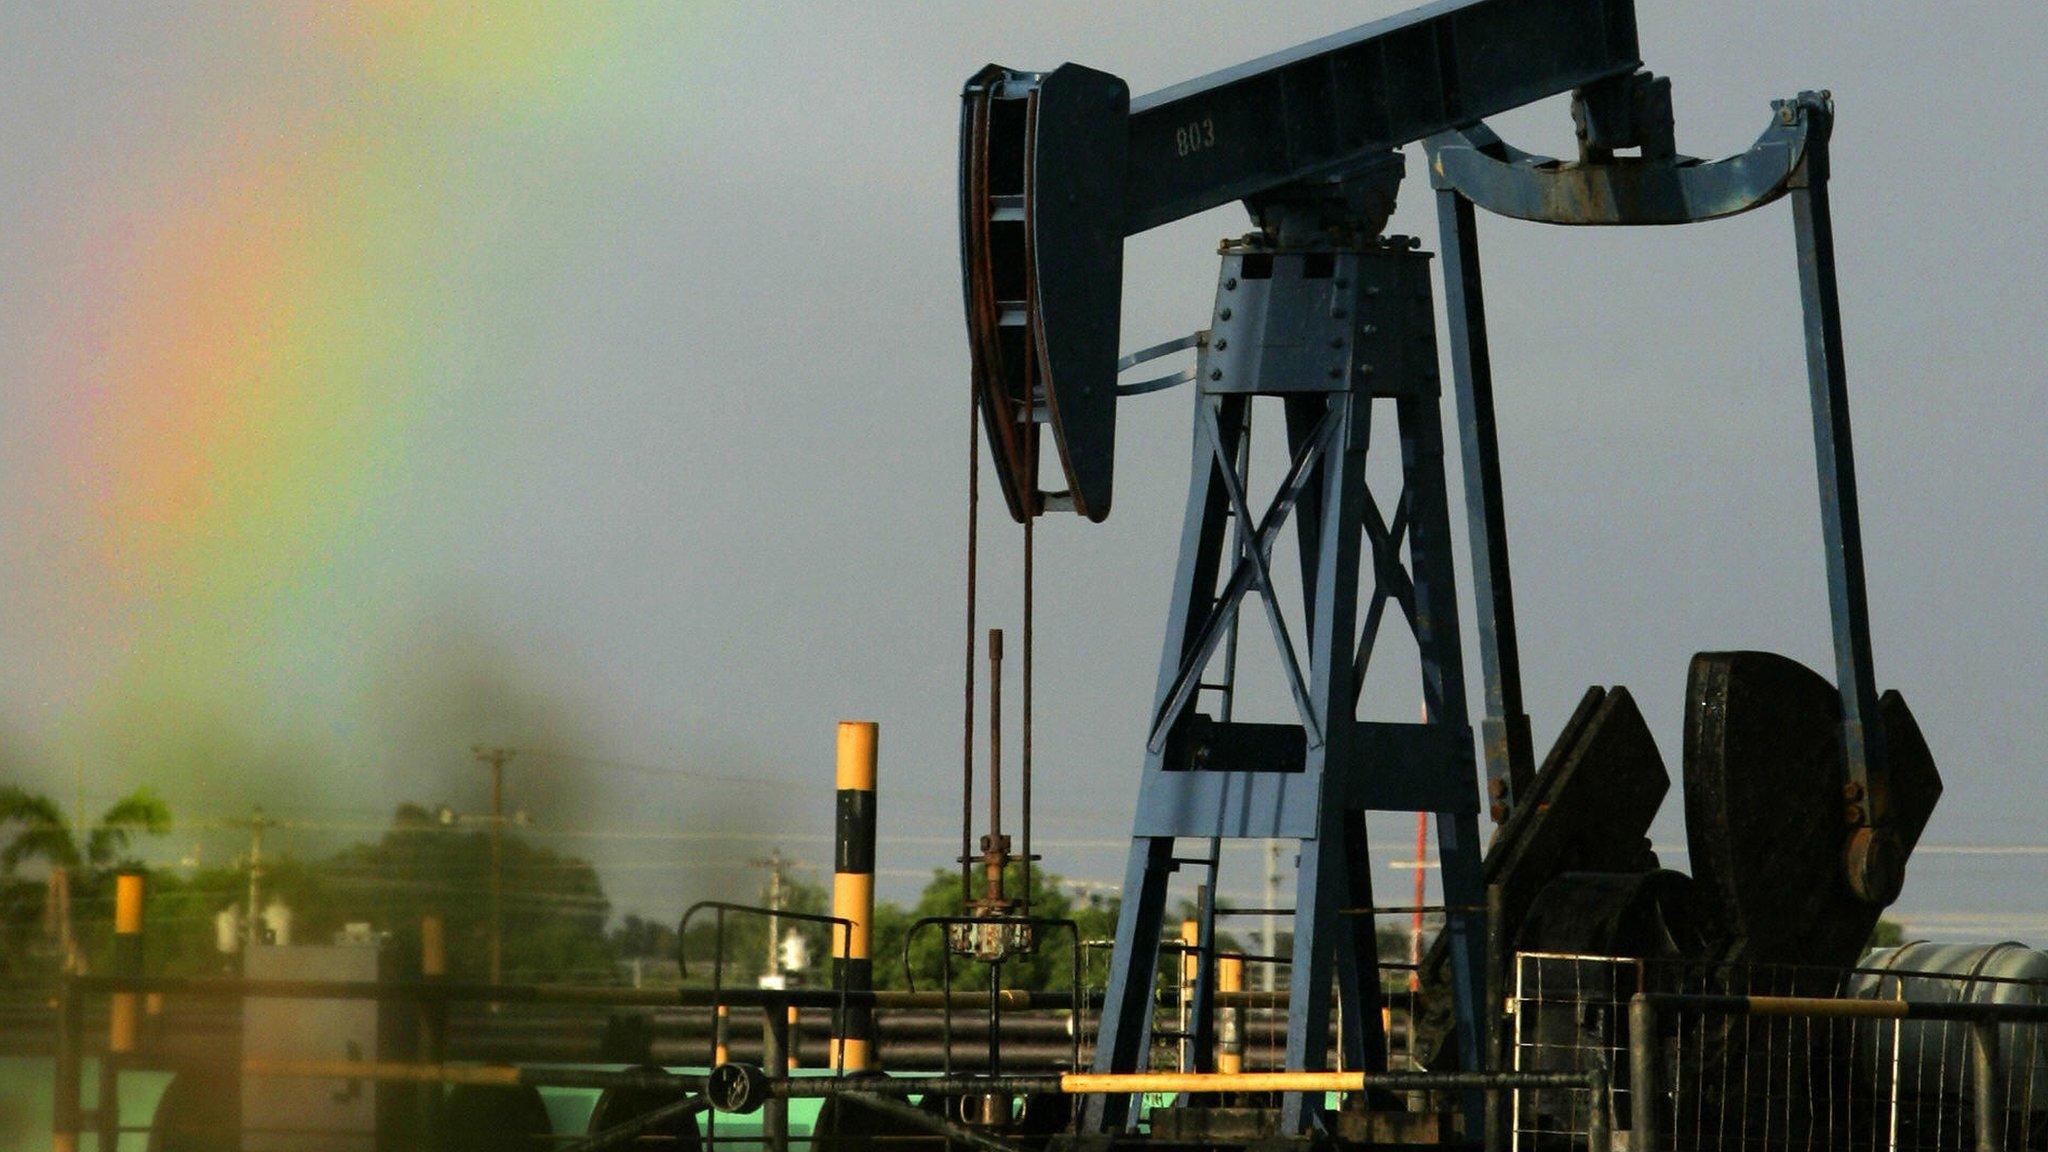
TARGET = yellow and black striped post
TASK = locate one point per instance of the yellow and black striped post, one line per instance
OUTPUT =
(1230, 1030)
(853, 892)
(124, 1011)
(433, 1020)
(1190, 965)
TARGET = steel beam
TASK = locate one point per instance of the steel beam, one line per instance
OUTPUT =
(1322, 107)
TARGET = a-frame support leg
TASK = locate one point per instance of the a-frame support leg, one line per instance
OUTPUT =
(1126, 1024)
(1510, 756)
(1443, 677)
(1863, 751)
(1323, 883)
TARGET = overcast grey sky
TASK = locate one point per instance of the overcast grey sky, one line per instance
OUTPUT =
(614, 378)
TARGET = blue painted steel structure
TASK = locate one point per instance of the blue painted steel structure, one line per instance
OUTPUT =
(1330, 335)
(1471, 168)
(1318, 315)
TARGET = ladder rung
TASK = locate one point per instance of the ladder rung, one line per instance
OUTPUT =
(1006, 209)
(1011, 313)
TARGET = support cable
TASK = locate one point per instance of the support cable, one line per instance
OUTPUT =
(1031, 511)
(967, 729)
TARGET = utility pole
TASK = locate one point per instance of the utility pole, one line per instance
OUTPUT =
(496, 758)
(252, 925)
(776, 864)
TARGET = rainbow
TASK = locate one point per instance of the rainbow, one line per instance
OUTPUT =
(248, 334)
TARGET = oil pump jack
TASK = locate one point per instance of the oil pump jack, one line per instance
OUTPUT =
(1803, 797)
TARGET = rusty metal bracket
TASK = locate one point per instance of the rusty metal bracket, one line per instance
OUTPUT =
(1626, 190)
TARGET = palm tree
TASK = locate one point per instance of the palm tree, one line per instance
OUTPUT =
(46, 835)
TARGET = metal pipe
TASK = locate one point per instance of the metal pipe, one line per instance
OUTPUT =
(384, 1071)
(433, 946)
(496, 758)
(1827, 1008)
(995, 1018)
(1990, 1109)
(775, 1054)
(486, 1075)
(1597, 1137)
(433, 1022)
(994, 851)
(1642, 1073)
(64, 1117)
(1122, 1083)
(853, 893)
(229, 988)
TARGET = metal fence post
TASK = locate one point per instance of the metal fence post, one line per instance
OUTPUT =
(1990, 1110)
(1498, 1104)
(1642, 1074)
(433, 1022)
(70, 1026)
(775, 1058)
(1597, 1137)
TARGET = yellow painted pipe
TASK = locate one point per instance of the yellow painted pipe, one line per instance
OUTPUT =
(433, 946)
(124, 1022)
(1083, 1083)
(486, 1074)
(791, 1017)
(128, 903)
(1826, 1007)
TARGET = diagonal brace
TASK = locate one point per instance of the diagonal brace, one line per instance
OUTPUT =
(1224, 610)
(1262, 577)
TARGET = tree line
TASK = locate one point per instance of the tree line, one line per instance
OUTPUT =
(56, 907)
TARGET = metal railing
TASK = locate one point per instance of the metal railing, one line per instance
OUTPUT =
(71, 1117)
(1712, 1057)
